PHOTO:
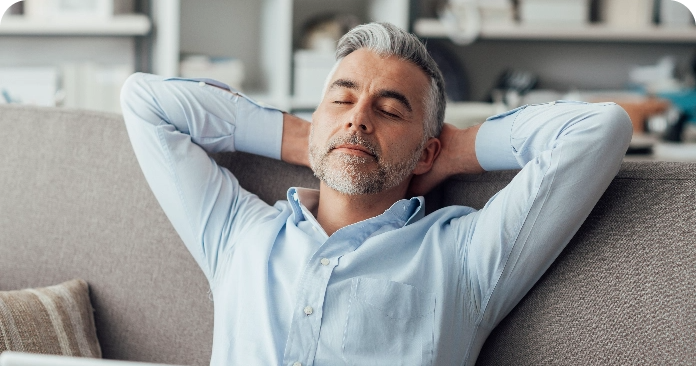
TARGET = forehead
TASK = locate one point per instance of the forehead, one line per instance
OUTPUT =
(373, 72)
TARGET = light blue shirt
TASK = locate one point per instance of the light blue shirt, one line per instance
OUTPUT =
(399, 288)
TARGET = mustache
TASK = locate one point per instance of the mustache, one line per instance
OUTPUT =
(354, 139)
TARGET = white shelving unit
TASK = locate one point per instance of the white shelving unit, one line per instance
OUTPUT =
(120, 29)
(565, 57)
(433, 28)
(82, 63)
(119, 25)
(93, 53)
(164, 22)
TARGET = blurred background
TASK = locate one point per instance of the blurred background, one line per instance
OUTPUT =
(495, 54)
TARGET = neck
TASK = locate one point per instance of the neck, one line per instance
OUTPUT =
(337, 210)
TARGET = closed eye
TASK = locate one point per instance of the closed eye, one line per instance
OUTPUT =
(340, 102)
(390, 114)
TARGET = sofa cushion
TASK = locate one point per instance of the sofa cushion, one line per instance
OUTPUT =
(51, 320)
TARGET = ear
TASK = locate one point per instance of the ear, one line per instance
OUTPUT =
(430, 153)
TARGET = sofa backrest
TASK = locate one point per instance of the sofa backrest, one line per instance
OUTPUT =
(74, 203)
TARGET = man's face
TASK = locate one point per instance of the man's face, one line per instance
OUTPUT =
(367, 133)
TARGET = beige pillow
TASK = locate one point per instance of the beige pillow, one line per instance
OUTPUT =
(51, 320)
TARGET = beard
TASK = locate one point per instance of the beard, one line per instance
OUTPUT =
(352, 175)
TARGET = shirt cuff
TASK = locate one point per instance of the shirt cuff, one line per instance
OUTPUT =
(258, 130)
(493, 148)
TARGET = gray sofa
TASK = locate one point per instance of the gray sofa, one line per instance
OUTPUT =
(74, 204)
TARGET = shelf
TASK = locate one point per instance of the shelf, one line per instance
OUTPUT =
(119, 25)
(433, 28)
(667, 151)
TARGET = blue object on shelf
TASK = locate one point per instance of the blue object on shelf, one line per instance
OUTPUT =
(6, 96)
(685, 100)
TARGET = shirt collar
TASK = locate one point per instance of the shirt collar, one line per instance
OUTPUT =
(298, 197)
(407, 211)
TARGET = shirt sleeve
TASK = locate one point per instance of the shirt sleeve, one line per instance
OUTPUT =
(568, 152)
(173, 124)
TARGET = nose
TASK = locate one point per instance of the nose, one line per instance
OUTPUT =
(357, 126)
(359, 119)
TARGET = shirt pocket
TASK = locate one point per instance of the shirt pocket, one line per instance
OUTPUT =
(388, 323)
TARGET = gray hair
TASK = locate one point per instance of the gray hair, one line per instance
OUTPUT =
(385, 39)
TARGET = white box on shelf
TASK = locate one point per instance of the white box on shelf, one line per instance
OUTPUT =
(496, 12)
(225, 69)
(627, 13)
(392, 11)
(567, 12)
(69, 9)
(29, 85)
(311, 70)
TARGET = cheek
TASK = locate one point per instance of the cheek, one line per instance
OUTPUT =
(317, 135)
(402, 146)
(322, 128)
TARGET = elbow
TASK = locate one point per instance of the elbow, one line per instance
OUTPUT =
(134, 93)
(617, 125)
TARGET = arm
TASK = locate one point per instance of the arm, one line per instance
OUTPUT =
(173, 125)
(295, 149)
(295, 145)
(569, 152)
(457, 156)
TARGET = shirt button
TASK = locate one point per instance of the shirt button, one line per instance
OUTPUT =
(201, 83)
(325, 261)
(296, 364)
(308, 310)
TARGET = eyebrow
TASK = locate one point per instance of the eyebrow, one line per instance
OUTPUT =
(344, 83)
(385, 93)
(397, 96)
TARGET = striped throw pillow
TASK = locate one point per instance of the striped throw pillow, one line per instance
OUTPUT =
(51, 320)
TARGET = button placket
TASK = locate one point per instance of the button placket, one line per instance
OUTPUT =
(306, 322)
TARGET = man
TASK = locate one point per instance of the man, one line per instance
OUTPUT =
(355, 273)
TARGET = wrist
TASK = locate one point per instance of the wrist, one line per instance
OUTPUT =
(463, 151)
(295, 145)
